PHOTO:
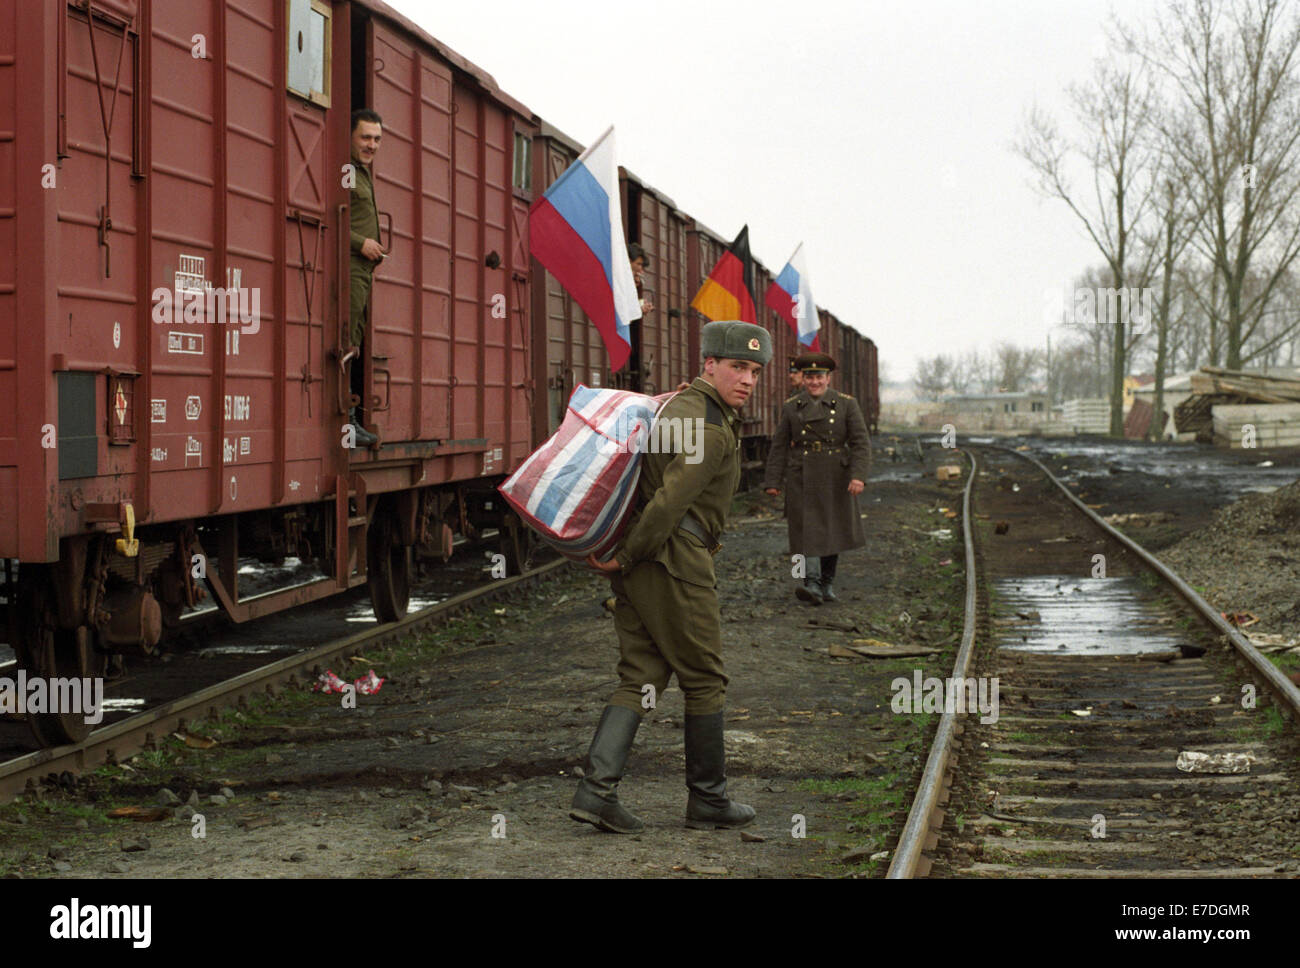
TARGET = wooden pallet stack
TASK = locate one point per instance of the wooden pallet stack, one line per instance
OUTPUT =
(1236, 409)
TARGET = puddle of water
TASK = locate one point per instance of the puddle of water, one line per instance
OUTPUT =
(258, 648)
(1080, 616)
(363, 613)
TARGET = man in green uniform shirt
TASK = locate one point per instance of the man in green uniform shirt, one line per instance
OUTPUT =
(367, 131)
(666, 605)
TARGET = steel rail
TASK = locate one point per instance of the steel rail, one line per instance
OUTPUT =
(1281, 686)
(920, 833)
(113, 743)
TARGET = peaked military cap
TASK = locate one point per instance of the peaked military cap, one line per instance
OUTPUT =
(817, 362)
(734, 340)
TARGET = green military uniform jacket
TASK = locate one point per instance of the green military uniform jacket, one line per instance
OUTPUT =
(819, 446)
(670, 486)
(365, 225)
(365, 214)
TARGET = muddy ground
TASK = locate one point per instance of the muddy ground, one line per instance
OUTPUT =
(464, 763)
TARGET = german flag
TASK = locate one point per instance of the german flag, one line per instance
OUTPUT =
(728, 292)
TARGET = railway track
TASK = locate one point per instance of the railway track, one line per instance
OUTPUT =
(115, 742)
(1108, 667)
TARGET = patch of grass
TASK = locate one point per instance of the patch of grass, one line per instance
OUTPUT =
(1286, 661)
(1267, 724)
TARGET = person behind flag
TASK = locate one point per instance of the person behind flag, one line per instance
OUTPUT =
(666, 604)
(637, 258)
(820, 455)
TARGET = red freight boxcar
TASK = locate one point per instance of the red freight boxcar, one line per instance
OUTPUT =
(173, 326)
(172, 323)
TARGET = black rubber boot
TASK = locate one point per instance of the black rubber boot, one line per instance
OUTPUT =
(810, 591)
(596, 801)
(707, 807)
(829, 563)
(364, 437)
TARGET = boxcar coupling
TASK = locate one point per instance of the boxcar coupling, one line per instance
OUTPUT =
(175, 346)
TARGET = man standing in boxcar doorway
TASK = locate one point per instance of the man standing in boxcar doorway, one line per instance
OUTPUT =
(666, 612)
(821, 454)
(367, 253)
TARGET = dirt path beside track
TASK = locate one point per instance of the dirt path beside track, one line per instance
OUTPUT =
(463, 764)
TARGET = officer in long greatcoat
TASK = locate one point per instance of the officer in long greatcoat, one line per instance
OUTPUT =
(666, 604)
(820, 456)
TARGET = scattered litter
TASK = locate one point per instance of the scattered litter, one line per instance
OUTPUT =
(1215, 700)
(328, 682)
(878, 650)
(1082, 713)
(945, 562)
(1192, 762)
(948, 472)
(139, 814)
(1243, 620)
(1272, 642)
(1265, 463)
(498, 611)
(196, 742)
(943, 534)
(1139, 519)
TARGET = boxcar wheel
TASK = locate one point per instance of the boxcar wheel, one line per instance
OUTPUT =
(49, 652)
(388, 565)
(518, 544)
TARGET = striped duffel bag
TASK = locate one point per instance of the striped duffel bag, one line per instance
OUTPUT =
(578, 489)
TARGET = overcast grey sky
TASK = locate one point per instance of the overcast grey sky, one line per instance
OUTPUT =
(878, 133)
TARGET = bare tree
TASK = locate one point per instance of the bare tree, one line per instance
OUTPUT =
(933, 376)
(1233, 66)
(1173, 222)
(1113, 113)
(1073, 371)
(1017, 367)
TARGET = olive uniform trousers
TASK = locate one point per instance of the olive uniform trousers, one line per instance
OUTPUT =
(362, 273)
(665, 626)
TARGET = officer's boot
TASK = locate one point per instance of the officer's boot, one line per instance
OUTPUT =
(829, 563)
(707, 807)
(810, 591)
(364, 437)
(596, 801)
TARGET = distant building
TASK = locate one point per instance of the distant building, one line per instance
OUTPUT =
(988, 411)
(1026, 402)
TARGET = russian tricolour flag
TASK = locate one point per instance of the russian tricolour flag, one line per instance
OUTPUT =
(576, 231)
(790, 296)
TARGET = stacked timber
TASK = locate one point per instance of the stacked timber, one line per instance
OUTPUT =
(1228, 406)
(1087, 415)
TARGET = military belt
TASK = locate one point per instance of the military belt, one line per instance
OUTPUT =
(816, 448)
(691, 525)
